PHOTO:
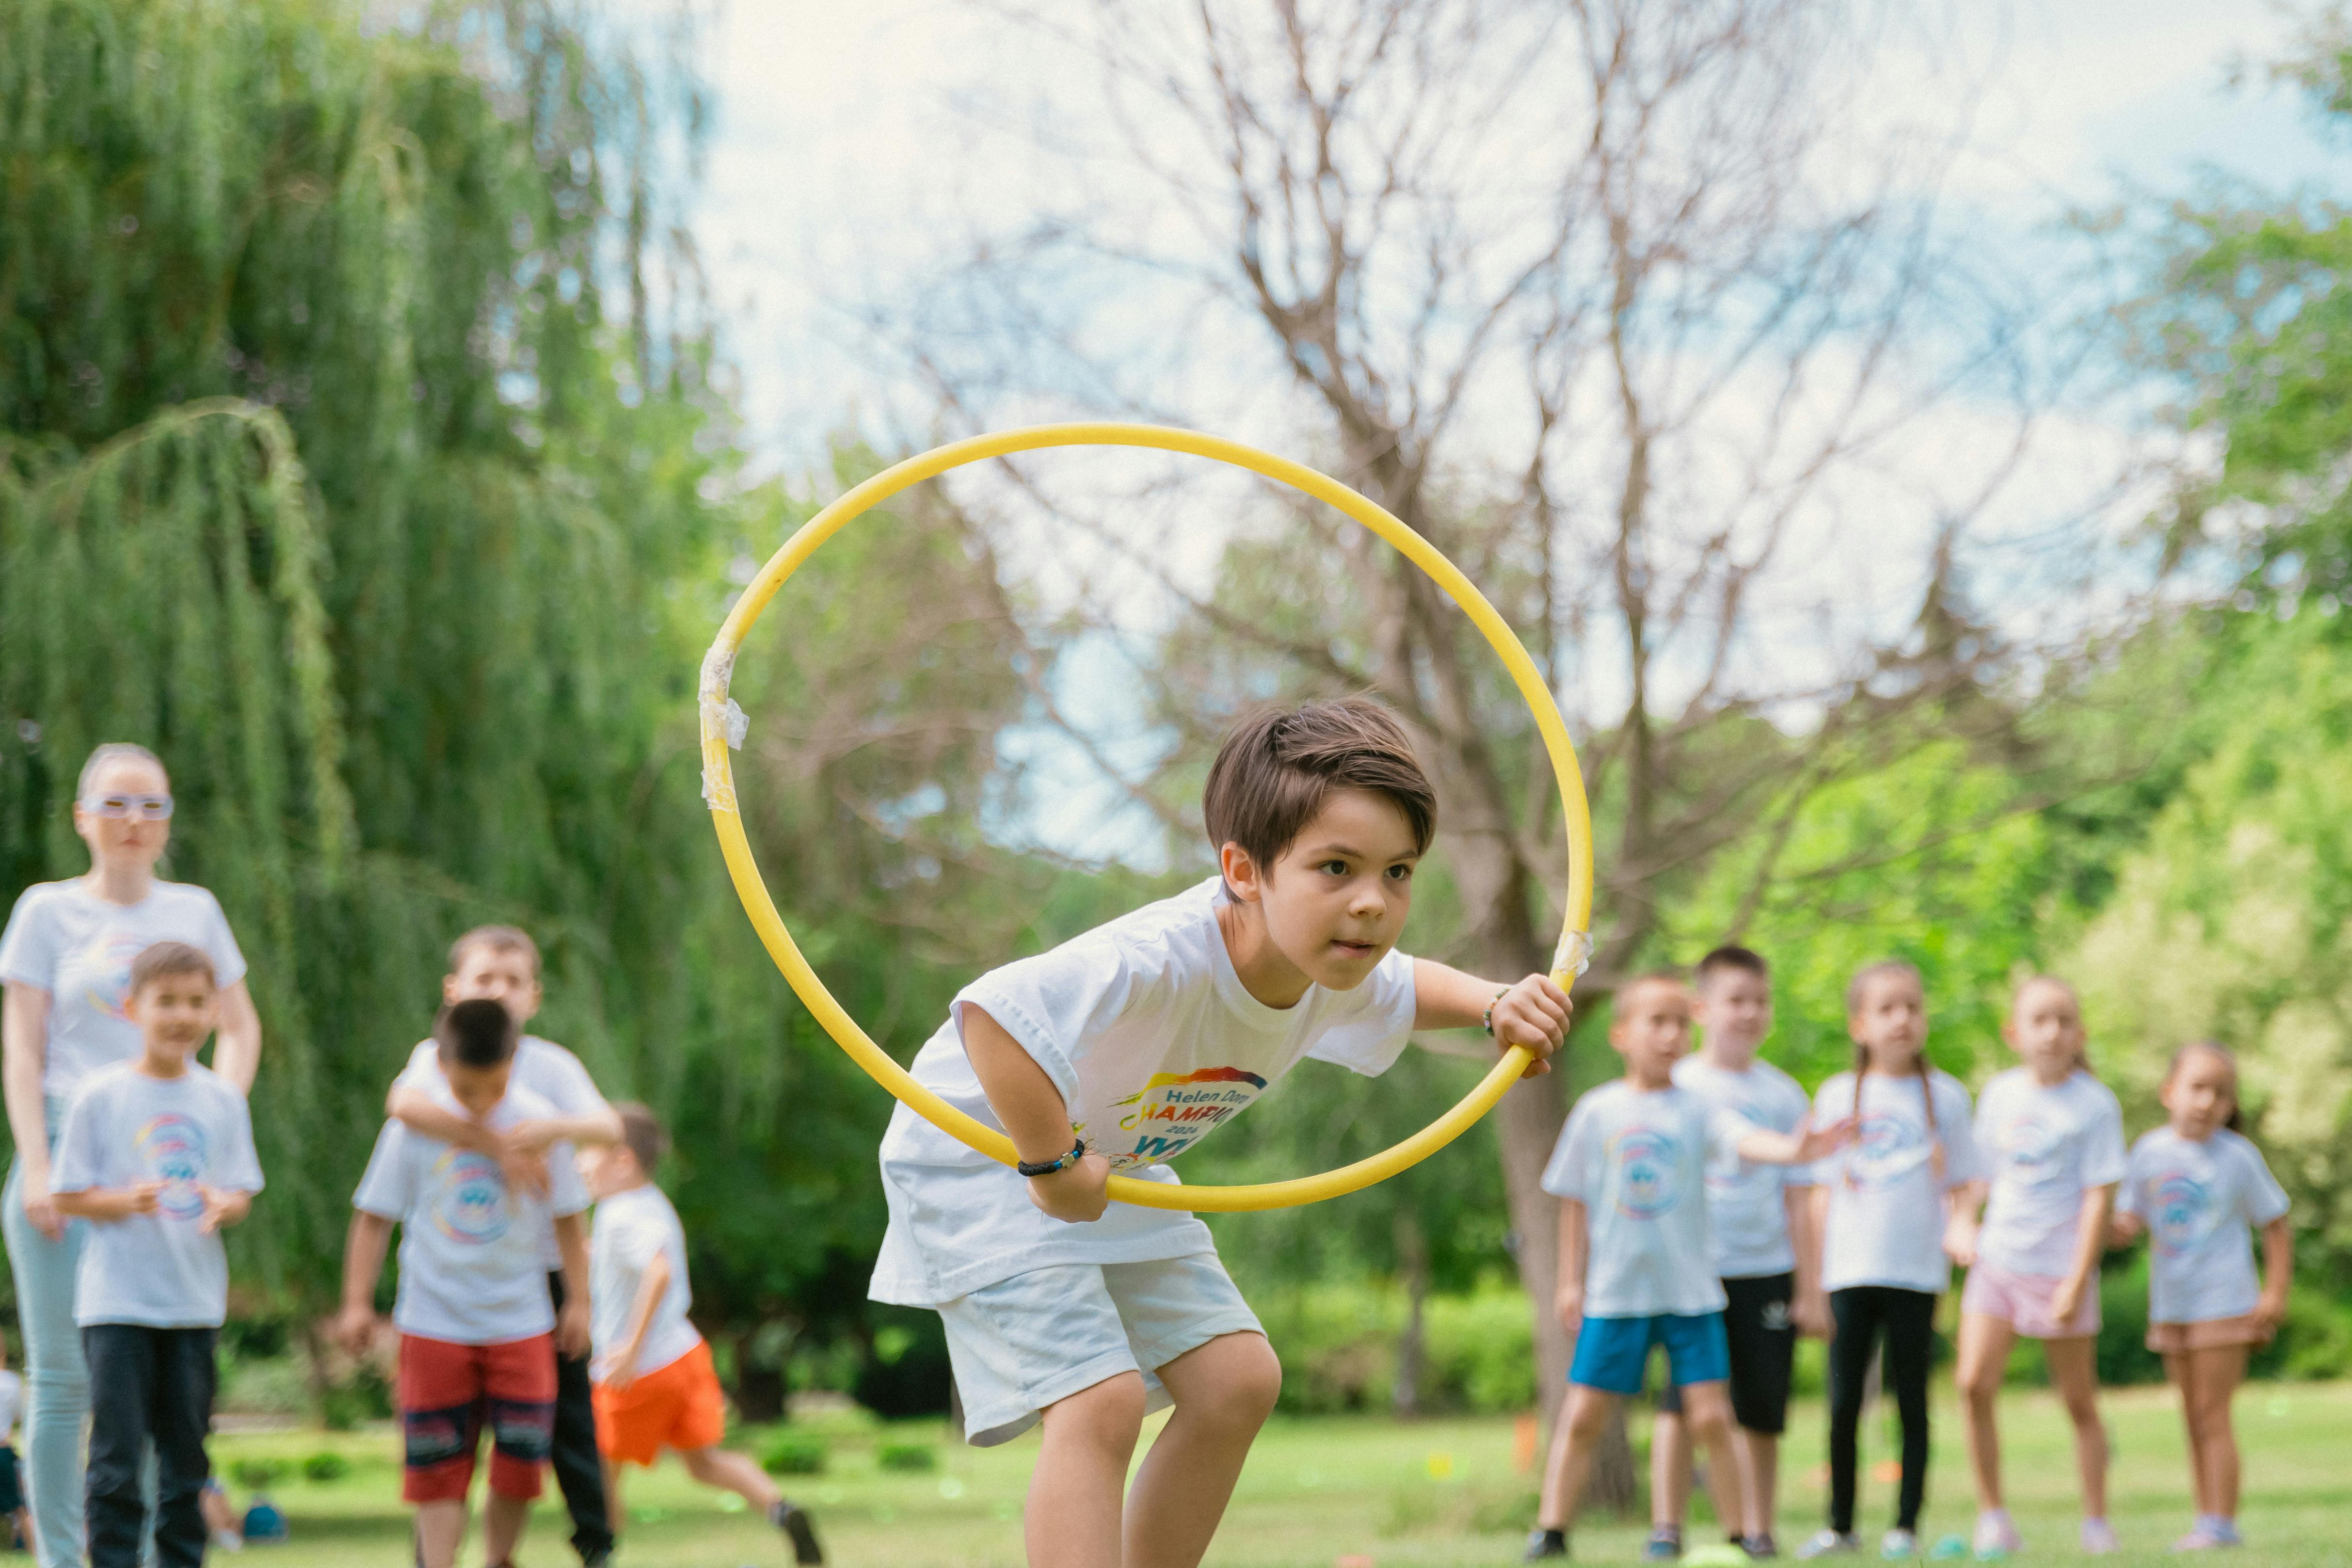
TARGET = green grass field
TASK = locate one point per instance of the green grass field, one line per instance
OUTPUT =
(1428, 1493)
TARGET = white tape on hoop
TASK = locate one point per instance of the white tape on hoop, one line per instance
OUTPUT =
(720, 716)
(1573, 956)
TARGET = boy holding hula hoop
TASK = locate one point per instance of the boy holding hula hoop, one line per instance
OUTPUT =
(1116, 1051)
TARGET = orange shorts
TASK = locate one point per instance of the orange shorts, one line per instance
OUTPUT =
(677, 1406)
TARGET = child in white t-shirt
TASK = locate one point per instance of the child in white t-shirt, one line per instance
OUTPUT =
(157, 1152)
(1885, 1204)
(1637, 1244)
(2052, 1137)
(1765, 1253)
(1119, 1050)
(656, 1386)
(2195, 1187)
(478, 1331)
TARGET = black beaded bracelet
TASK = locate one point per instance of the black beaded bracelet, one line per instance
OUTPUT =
(1060, 1162)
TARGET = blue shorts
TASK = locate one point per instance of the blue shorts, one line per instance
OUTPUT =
(1611, 1351)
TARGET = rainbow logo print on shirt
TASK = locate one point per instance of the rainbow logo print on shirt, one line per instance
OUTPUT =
(1175, 1110)
(109, 957)
(2178, 1215)
(1886, 1148)
(470, 1206)
(172, 1150)
(2029, 1142)
(1649, 1172)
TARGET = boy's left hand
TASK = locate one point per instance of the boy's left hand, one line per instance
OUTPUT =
(221, 1209)
(620, 1368)
(1535, 1014)
(1820, 1142)
(571, 1328)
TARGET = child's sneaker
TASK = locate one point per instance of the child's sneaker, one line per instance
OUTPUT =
(1759, 1546)
(1831, 1544)
(1666, 1544)
(798, 1529)
(1996, 1536)
(1545, 1545)
(1949, 1549)
(2099, 1539)
(1898, 1546)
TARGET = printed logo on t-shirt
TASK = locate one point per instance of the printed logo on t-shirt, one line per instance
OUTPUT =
(1649, 1167)
(171, 1149)
(1886, 1148)
(2029, 1143)
(2179, 1212)
(1175, 1110)
(108, 960)
(471, 1207)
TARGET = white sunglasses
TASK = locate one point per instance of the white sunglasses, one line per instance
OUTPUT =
(145, 808)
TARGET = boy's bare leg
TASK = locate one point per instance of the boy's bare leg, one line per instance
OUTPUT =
(1761, 1479)
(732, 1472)
(1670, 1471)
(1582, 1420)
(612, 1514)
(2219, 1370)
(502, 1520)
(2074, 1370)
(1985, 1342)
(1073, 1516)
(440, 1528)
(1706, 1412)
(1224, 1391)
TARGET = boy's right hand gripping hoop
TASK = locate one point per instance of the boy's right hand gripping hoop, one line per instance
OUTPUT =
(723, 727)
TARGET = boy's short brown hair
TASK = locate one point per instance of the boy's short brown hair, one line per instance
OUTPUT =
(479, 1033)
(497, 939)
(1731, 956)
(643, 1133)
(161, 960)
(1273, 772)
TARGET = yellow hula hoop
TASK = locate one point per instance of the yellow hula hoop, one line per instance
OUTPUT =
(723, 727)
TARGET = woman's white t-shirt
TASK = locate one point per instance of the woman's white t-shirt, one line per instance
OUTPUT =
(2043, 1146)
(632, 1228)
(1637, 1160)
(1887, 1193)
(1152, 1040)
(2199, 1201)
(73, 944)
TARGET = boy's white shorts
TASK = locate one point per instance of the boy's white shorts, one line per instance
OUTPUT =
(1020, 1344)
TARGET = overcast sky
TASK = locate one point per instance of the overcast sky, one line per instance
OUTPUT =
(843, 156)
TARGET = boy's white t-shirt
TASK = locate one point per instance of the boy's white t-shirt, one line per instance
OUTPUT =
(1886, 1200)
(2199, 1201)
(12, 1401)
(2042, 1148)
(155, 1270)
(471, 1250)
(1747, 1202)
(540, 1067)
(1146, 1031)
(66, 941)
(632, 1228)
(1637, 1160)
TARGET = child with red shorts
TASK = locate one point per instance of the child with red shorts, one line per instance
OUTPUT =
(478, 1331)
(654, 1386)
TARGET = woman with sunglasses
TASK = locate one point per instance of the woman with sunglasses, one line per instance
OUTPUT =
(64, 963)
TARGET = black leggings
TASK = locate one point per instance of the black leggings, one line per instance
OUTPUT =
(1908, 1321)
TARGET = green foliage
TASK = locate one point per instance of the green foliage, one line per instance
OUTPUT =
(259, 1474)
(1338, 1343)
(794, 1454)
(906, 1457)
(325, 1465)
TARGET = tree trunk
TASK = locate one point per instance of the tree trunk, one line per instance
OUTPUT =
(1412, 1266)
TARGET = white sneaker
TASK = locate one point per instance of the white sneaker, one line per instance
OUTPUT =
(1996, 1536)
(2099, 1539)
(1831, 1544)
(1898, 1546)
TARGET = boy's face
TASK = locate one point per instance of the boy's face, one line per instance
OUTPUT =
(498, 975)
(1735, 1007)
(2046, 1028)
(174, 1013)
(1891, 1020)
(608, 1170)
(1336, 900)
(477, 1088)
(1650, 1028)
(2200, 1093)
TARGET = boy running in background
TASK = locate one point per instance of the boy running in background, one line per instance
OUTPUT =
(1636, 1243)
(1766, 1254)
(501, 963)
(656, 1387)
(157, 1152)
(1116, 1051)
(473, 1310)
